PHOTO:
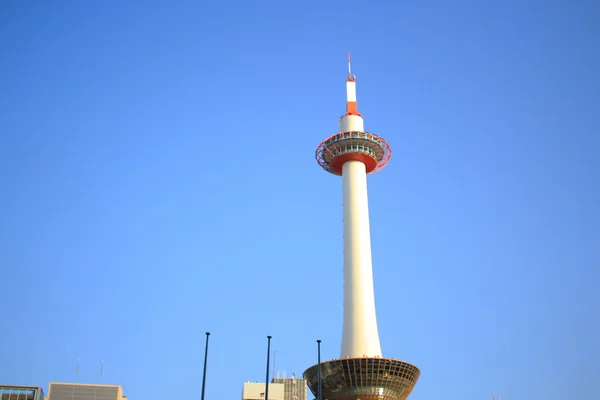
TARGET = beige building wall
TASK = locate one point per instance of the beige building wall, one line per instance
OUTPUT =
(256, 391)
(84, 391)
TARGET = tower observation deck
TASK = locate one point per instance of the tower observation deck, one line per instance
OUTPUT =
(361, 372)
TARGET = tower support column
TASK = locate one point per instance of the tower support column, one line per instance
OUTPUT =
(360, 336)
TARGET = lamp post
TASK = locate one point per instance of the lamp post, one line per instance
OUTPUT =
(319, 392)
(267, 378)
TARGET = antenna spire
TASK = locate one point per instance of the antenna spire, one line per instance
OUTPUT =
(349, 68)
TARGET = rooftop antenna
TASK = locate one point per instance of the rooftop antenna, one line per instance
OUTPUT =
(101, 371)
(274, 362)
(77, 371)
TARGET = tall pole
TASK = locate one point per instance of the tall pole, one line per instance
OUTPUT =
(267, 378)
(205, 359)
(319, 390)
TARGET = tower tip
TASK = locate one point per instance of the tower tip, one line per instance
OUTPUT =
(350, 76)
(349, 68)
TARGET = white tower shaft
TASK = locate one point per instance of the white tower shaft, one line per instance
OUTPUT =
(360, 336)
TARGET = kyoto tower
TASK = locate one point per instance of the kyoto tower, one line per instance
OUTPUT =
(361, 372)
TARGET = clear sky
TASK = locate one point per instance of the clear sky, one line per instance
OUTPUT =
(159, 181)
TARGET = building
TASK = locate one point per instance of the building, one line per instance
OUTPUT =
(256, 391)
(361, 372)
(83, 391)
(293, 388)
(13, 392)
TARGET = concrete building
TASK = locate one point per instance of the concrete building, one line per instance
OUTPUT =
(293, 388)
(361, 372)
(15, 392)
(256, 391)
(83, 391)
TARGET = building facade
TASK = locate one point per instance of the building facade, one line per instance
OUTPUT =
(293, 388)
(14, 392)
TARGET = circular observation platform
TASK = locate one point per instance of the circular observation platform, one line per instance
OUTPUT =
(363, 379)
(366, 147)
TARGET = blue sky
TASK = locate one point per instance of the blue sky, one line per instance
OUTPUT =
(159, 181)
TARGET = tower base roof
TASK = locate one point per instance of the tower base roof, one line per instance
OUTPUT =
(363, 379)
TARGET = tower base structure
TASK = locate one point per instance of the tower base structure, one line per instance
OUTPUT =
(363, 378)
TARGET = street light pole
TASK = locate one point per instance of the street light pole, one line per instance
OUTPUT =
(267, 379)
(320, 393)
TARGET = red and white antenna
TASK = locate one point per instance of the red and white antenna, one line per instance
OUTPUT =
(351, 98)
